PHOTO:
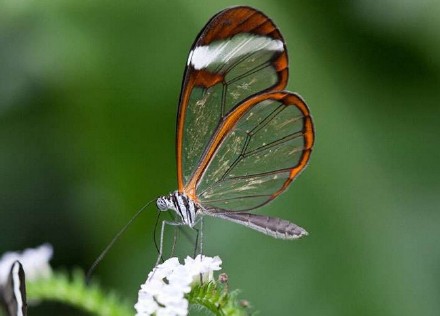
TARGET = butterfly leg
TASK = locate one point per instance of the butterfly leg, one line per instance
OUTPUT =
(197, 247)
(176, 233)
(199, 238)
(161, 237)
(154, 235)
(196, 244)
(160, 250)
(159, 257)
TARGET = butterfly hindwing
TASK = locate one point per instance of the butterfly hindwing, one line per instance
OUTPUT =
(257, 151)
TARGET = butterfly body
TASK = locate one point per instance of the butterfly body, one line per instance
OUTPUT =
(241, 138)
(180, 203)
(189, 212)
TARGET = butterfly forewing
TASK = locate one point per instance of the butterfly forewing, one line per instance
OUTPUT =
(238, 54)
(265, 144)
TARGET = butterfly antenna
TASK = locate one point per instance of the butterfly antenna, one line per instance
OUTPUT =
(107, 248)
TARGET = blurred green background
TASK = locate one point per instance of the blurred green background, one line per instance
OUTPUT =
(88, 99)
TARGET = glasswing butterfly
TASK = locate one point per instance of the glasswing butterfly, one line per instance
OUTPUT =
(241, 139)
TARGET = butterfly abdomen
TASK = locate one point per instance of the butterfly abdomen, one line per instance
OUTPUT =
(272, 226)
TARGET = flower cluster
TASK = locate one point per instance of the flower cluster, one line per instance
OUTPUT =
(35, 263)
(164, 291)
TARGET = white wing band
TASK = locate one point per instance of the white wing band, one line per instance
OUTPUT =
(220, 52)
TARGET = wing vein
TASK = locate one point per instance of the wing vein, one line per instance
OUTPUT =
(275, 143)
(249, 72)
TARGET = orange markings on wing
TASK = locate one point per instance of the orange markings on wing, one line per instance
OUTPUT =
(224, 25)
(201, 78)
(281, 67)
(207, 79)
(239, 20)
(229, 122)
(309, 136)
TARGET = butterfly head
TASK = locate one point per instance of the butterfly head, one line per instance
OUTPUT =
(164, 203)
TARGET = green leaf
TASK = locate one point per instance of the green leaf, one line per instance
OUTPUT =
(73, 291)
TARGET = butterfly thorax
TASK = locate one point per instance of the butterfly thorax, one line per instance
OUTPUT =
(183, 205)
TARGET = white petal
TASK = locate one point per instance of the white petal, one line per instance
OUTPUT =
(178, 277)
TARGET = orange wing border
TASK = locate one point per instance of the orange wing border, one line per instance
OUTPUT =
(223, 25)
(288, 99)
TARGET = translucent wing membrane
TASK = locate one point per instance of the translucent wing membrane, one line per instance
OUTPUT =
(256, 152)
(239, 53)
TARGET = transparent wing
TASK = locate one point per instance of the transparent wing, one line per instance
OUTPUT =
(257, 152)
(239, 53)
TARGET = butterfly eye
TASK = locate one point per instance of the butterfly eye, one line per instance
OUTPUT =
(162, 204)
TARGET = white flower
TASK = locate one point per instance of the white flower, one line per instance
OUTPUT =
(205, 267)
(164, 291)
(35, 263)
